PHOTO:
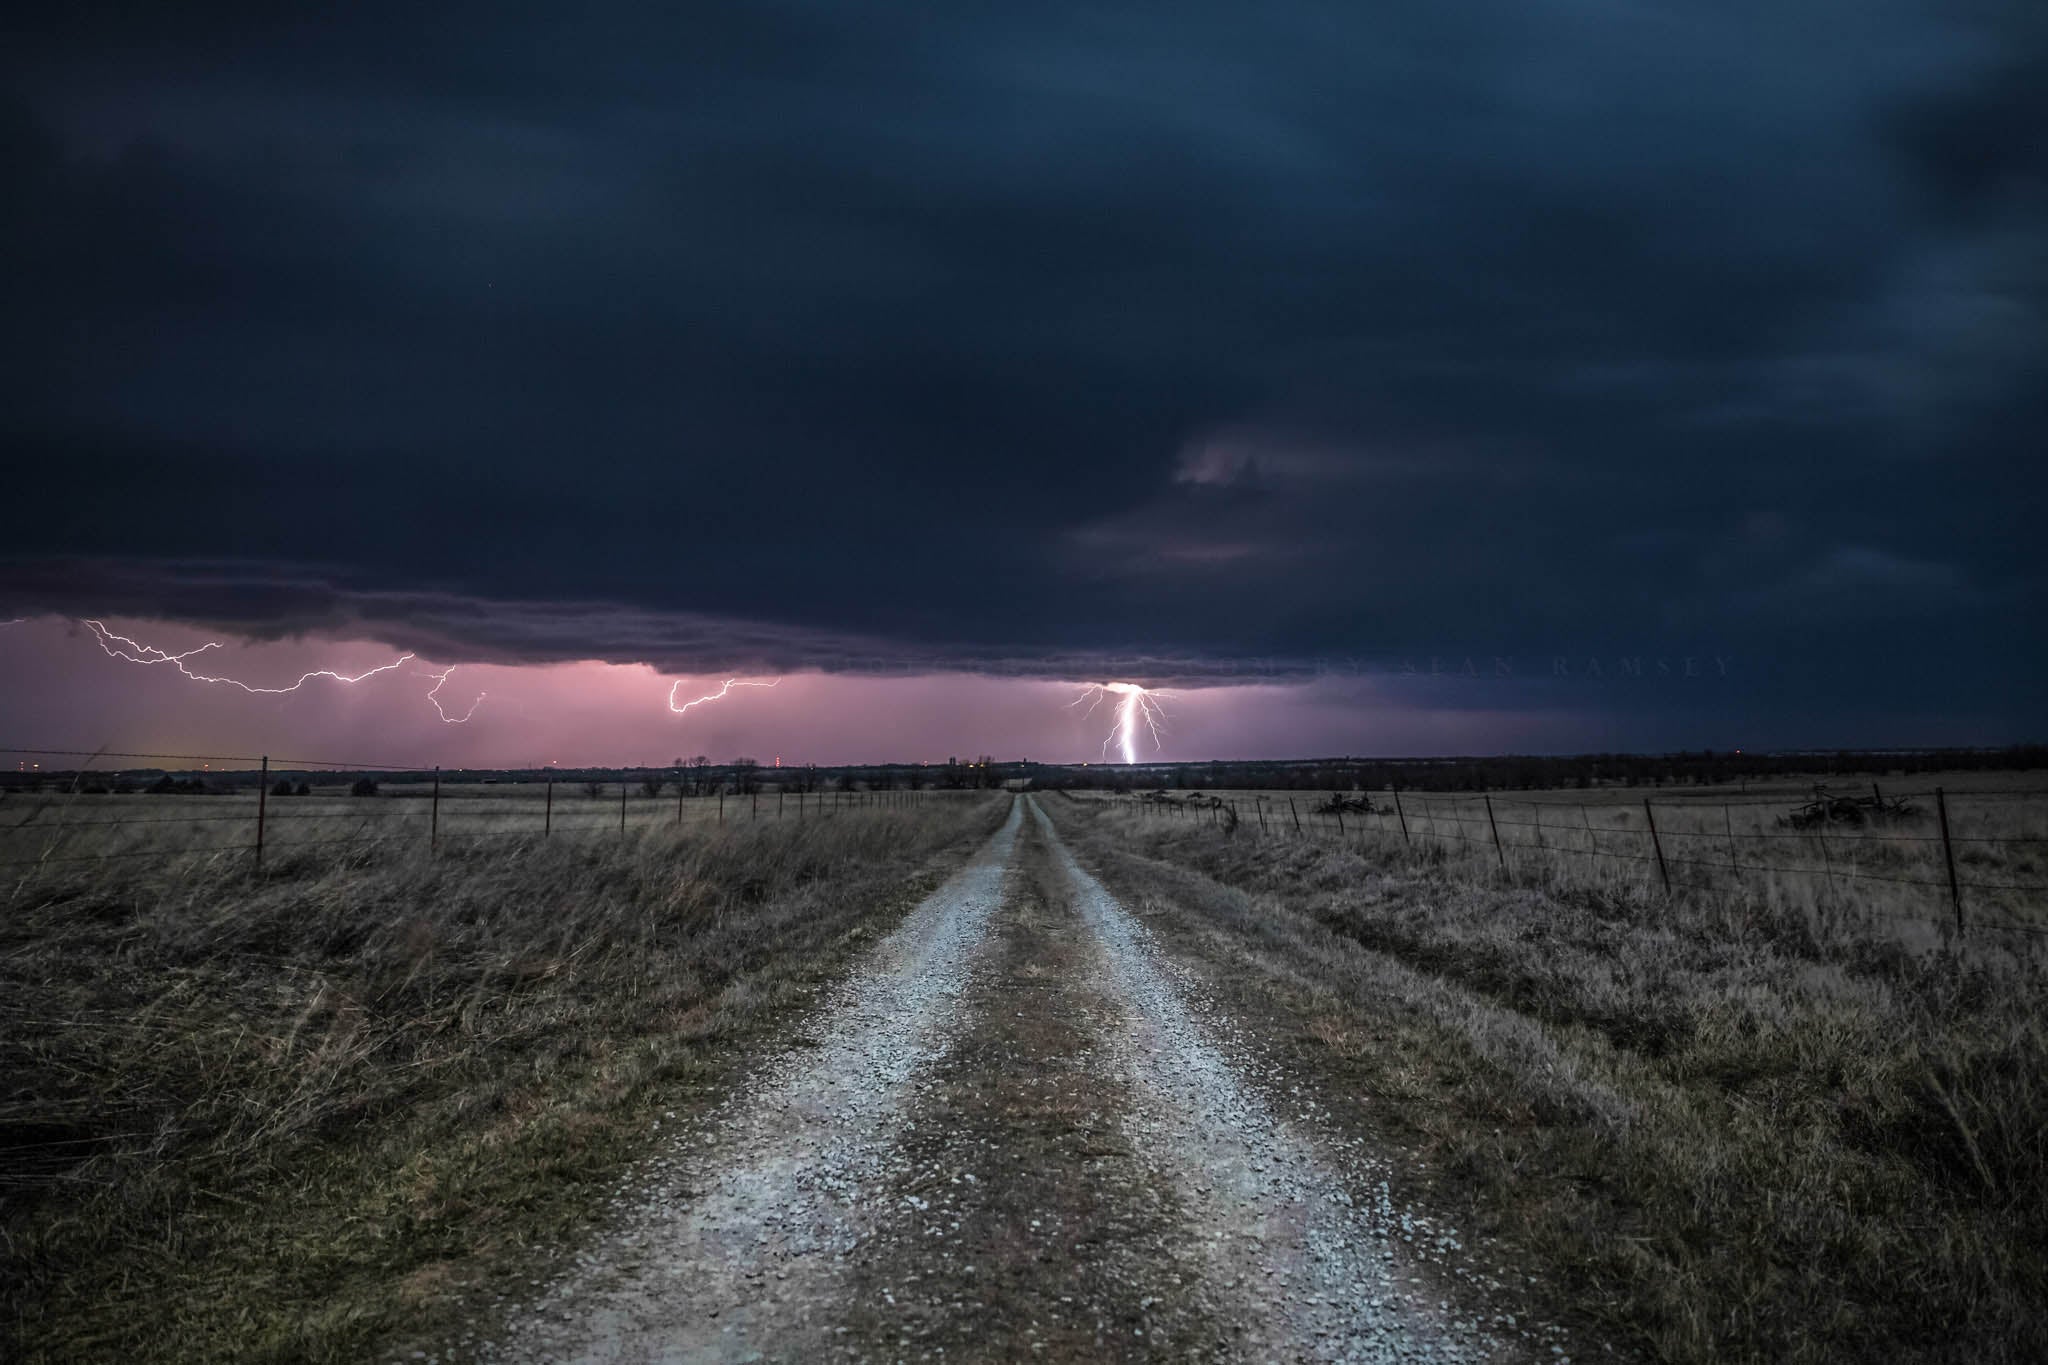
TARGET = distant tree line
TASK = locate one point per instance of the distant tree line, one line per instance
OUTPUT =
(700, 777)
(1525, 772)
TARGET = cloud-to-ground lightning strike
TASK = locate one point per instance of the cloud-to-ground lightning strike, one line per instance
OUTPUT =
(1136, 706)
(730, 684)
(121, 647)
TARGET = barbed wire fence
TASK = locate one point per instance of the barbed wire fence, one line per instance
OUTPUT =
(1970, 862)
(256, 809)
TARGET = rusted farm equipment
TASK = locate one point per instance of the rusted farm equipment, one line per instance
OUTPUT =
(1830, 808)
(1340, 804)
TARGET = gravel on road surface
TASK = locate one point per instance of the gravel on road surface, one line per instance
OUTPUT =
(1021, 1131)
(737, 1240)
(1308, 1244)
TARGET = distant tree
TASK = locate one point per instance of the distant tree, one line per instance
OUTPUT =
(700, 771)
(283, 787)
(364, 786)
(303, 789)
(593, 790)
(746, 775)
(651, 784)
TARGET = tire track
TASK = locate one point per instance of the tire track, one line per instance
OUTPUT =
(1027, 1228)
(734, 1249)
(1311, 1270)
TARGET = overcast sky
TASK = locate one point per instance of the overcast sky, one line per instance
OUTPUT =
(1421, 363)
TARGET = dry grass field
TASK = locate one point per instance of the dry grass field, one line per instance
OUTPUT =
(1774, 1118)
(1727, 839)
(1781, 1111)
(63, 826)
(285, 1115)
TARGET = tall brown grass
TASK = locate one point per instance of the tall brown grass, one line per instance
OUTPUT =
(286, 1116)
(1767, 1121)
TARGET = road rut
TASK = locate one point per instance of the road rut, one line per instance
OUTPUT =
(733, 1248)
(1020, 1134)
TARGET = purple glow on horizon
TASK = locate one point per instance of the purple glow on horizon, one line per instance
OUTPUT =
(63, 691)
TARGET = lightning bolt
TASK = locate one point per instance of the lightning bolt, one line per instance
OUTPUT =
(121, 647)
(730, 684)
(434, 696)
(1136, 708)
(150, 654)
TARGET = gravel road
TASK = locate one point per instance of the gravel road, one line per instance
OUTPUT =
(1020, 1132)
(729, 1249)
(1304, 1248)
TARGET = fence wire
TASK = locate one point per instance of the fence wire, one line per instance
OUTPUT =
(429, 818)
(1842, 855)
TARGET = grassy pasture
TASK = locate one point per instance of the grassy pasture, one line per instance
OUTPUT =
(1714, 839)
(63, 827)
(1759, 1120)
(306, 1112)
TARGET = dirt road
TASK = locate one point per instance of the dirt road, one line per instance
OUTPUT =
(1018, 1133)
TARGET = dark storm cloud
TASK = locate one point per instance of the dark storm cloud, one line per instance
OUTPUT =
(993, 336)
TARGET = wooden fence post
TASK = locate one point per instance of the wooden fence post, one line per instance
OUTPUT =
(1297, 817)
(1497, 850)
(547, 819)
(679, 798)
(1948, 853)
(434, 820)
(622, 803)
(262, 809)
(1827, 861)
(1658, 844)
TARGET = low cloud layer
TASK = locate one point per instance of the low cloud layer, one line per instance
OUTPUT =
(1057, 342)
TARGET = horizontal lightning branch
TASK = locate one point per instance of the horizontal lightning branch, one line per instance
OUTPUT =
(121, 647)
(730, 684)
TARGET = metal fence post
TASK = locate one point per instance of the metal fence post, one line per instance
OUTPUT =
(679, 797)
(622, 804)
(262, 809)
(1297, 817)
(721, 805)
(1497, 850)
(547, 819)
(434, 819)
(1403, 816)
(1657, 843)
(1948, 853)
